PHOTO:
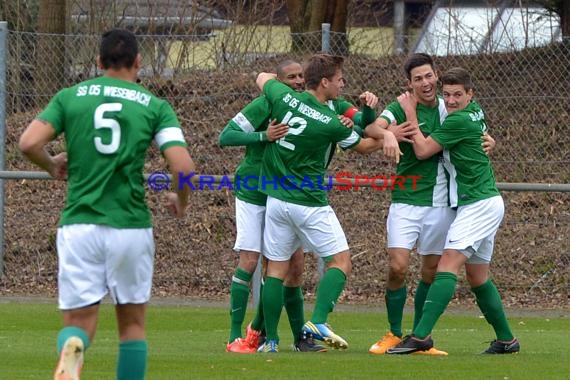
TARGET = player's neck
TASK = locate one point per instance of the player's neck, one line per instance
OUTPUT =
(432, 103)
(321, 97)
(129, 75)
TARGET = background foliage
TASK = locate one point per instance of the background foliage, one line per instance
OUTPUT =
(208, 75)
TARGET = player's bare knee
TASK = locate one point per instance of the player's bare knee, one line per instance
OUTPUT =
(397, 276)
(294, 275)
(341, 261)
(293, 281)
(398, 269)
(428, 274)
(248, 261)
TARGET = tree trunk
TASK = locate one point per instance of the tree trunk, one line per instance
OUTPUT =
(339, 38)
(565, 18)
(50, 56)
(306, 18)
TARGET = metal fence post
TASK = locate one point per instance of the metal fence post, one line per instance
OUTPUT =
(399, 26)
(3, 87)
(326, 37)
(326, 47)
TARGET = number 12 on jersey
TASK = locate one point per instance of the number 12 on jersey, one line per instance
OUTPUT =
(296, 126)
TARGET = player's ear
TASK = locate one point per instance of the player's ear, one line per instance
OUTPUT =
(138, 62)
(99, 64)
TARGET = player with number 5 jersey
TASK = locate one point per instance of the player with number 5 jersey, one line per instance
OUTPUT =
(105, 240)
(109, 123)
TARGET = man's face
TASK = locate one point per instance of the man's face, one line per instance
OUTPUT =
(335, 85)
(423, 82)
(456, 97)
(293, 77)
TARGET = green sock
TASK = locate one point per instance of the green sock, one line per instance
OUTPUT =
(69, 331)
(489, 301)
(419, 300)
(272, 306)
(293, 298)
(437, 299)
(239, 294)
(329, 290)
(395, 302)
(258, 323)
(132, 360)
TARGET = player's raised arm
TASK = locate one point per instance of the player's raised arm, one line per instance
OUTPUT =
(388, 144)
(262, 78)
(423, 147)
(234, 135)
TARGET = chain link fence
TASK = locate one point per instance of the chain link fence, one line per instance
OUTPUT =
(209, 76)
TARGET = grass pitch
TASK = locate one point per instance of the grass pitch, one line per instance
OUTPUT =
(187, 342)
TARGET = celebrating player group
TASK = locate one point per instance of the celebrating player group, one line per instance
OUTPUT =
(105, 241)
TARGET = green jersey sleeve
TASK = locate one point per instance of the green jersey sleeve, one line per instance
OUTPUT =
(54, 112)
(360, 118)
(393, 113)
(168, 130)
(273, 90)
(346, 138)
(248, 126)
(452, 131)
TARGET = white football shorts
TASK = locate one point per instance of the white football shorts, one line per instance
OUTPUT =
(408, 225)
(288, 225)
(250, 219)
(96, 259)
(474, 229)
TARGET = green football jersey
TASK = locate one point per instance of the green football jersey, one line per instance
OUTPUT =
(294, 168)
(431, 188)
(471, 175)
(345, 108)
(108, 125)
(253, 117)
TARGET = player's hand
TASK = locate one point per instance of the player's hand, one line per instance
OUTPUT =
(408, 102)
(391, 148)
(276, 130)
(346, 121)
(404, 131)
(59, 166)
(174, 206)
(369, 99)
(488, 143)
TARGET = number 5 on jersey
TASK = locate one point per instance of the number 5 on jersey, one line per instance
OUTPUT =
(100, 121)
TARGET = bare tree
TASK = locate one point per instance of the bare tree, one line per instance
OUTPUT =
(50, 53)
(562, 8)
(308, 16)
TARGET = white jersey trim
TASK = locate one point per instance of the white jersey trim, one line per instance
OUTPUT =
(388, 115)
(440, 191)
(453, 197)
(167, 135)
(243, 123)
(349, 141)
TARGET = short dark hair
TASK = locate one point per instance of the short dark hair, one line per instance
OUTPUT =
(417, 60)
(458, 75)
(321, 66)
(282, 65)
(118, 49)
